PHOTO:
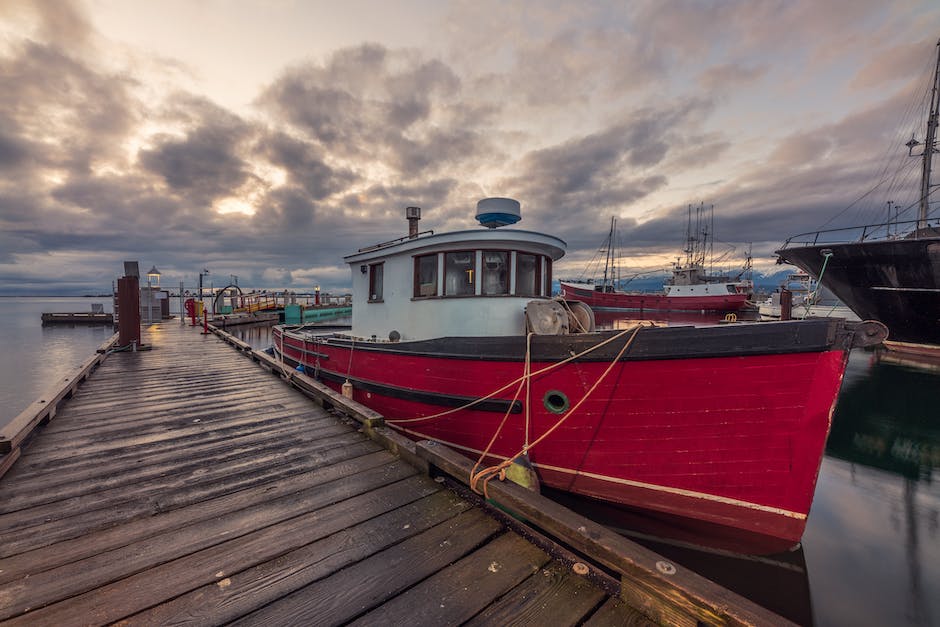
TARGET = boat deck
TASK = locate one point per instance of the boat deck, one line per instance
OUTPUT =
(185, 484)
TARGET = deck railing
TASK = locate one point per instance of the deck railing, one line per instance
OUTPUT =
(906, 229)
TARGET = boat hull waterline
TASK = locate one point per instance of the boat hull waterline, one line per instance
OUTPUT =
(725, 425)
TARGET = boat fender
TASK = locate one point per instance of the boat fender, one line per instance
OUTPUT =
(348, 389)
(869, 333)
(521, 472)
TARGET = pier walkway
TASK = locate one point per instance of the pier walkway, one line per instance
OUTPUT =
(187, 484)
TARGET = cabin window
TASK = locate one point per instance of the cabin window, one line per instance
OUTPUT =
(426, 276)
(460, 273)
(527, 274)
(495, 272)
(376, 272)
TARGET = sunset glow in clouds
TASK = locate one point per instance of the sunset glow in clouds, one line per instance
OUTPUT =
(267, 139)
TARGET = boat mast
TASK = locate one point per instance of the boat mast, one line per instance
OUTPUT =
(929, 148)
(608, 260)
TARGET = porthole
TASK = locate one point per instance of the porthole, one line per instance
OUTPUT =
(556, 402)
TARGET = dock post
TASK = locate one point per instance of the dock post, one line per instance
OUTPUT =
(129, 306)
(786, 304)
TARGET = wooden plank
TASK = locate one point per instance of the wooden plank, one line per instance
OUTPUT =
(372, 421)
(334, 558)
(51, 556)
(680, 597)
(176, 493)
(98, 478)
(137, 592)
(349, 592)
(42, 472)
(616, 613)
(188, 426)
(457, 593)
(552, 596)
(363, 494)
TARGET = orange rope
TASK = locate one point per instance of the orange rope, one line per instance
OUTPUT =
(487, 474)
(549, 368)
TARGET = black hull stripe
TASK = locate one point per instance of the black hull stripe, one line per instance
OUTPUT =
(428, 398)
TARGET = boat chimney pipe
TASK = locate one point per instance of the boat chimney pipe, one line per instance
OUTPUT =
(413, 214)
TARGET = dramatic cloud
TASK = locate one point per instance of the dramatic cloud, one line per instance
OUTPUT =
(119, 140)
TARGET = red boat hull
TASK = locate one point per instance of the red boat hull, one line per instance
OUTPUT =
(730, 440)
(642, 301)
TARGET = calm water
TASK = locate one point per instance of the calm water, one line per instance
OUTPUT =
(871, 551)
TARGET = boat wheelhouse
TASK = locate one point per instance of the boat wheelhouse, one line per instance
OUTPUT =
(455, 338)
(465, 283)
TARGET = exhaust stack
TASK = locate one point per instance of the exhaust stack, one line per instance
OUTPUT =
(413, 214)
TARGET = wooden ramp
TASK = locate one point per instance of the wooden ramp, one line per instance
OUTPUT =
(184, 484)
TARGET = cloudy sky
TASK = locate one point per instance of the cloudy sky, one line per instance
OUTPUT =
(268, 138)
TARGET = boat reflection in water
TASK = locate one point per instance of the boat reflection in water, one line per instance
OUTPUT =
(875, 524)
(871, 551)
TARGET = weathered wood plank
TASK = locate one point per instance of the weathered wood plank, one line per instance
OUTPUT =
(42, 472)
(135, 593)
(616, 613)
(254, 588)
(93, 495)
(375, 486)
(48, 557)
(362, 586)
(112, 473)
(457, 593)
(552, 596)
(174, 493)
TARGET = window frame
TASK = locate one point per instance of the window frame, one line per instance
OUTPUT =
(416, 292)
(537, 287)
(372, 282)
(476, 273)
(509, 269)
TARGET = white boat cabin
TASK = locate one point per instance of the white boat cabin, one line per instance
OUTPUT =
(465, 283)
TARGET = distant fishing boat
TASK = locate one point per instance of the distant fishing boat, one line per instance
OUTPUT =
(808, 299)
(456, 338)
(888, 271)
(690, 288)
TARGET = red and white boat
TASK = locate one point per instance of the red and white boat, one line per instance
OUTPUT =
(690, 288)
(455, 337)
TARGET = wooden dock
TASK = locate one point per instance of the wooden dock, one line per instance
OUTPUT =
(83, 317)
(187, 484)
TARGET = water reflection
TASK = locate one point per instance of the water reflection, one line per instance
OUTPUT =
(874, 526)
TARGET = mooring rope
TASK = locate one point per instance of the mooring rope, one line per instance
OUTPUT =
(812, 297)
(499, 470)
(548, 368)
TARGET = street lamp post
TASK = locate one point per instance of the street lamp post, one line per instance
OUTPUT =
(201, 274)
(153, 276)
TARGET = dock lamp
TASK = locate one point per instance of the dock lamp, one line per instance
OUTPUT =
(202, 274)
(153, 278)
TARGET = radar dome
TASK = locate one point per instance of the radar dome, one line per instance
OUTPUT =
(494, 212)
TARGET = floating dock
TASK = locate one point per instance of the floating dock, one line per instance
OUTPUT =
(187, 483)
(84, 317)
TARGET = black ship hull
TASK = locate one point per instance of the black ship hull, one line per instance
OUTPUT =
(895, 281)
